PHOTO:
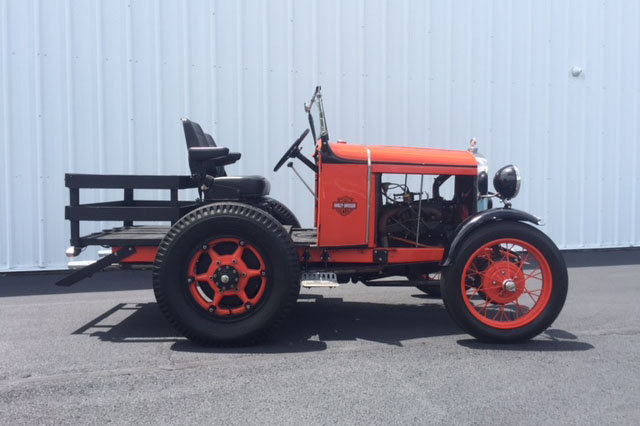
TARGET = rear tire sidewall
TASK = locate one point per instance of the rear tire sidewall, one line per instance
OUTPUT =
(171, 273)
(452, 276)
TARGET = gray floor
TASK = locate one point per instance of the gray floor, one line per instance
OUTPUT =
(101, 352)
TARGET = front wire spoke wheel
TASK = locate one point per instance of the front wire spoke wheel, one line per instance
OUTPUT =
(514, 287)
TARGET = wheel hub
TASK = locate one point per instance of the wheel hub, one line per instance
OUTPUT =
(503, 282)
(509, 285)
(226, 278)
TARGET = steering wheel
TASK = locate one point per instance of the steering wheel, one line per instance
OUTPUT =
(292, 151)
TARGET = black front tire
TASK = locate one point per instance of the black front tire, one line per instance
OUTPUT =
(227, 220)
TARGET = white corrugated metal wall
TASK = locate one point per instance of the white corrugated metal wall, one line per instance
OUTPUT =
(99, 86)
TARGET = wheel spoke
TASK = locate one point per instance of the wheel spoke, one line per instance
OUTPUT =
(242, 295)
(213, 255)
(536, 275)
(475, 271)
(475, 292)
(496, 315)
(523, 260)
(203, 277)
(217, 297)
(529, 293)
(252, 273)
(237, 254)
(485, 307)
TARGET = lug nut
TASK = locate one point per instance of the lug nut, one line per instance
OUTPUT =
(234, 261)
(244, 275)
(235, 289)
(217, 262)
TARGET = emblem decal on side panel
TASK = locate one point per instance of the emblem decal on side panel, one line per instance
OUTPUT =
(345, 205)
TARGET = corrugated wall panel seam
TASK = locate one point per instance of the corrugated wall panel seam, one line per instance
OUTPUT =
(214, 66)
(635, 150)
(130, 101)
(8, 192)
(158, 89)
(290, 98)
(240, 73)
(582, 136)
(265, 82)
(37, 120)
(186, 59)
(68, 72)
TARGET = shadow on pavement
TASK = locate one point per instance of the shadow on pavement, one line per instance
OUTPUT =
(30, 284)
(556, 340)
(315, 321)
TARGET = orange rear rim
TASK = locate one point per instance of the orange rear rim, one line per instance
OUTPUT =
(506, 283)
(227, 277)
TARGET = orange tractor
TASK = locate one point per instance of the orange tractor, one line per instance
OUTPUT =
(229, 268)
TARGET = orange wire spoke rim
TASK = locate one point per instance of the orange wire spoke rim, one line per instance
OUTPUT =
(226, 277)
(506, 283)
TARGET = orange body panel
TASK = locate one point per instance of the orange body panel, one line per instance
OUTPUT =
(365, 255)
(144, 254)
(342, 205)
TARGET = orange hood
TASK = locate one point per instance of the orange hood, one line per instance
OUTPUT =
(385, 154)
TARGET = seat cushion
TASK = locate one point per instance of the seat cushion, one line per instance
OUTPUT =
(233, 187)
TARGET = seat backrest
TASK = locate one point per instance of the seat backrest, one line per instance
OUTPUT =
(193, 134)
(196, 137)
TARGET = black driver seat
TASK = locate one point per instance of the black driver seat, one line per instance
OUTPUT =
(207, 161)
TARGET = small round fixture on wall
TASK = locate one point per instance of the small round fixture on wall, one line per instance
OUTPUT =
(576, 71)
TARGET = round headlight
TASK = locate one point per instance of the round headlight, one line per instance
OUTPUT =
(507, 182)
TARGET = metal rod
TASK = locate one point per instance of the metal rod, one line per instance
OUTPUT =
(368, 193)
(290, 164)
(419, 211)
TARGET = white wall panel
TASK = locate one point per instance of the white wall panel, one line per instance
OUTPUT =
(99, 87)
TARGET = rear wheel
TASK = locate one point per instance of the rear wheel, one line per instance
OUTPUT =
(508, 282)
(226, 273)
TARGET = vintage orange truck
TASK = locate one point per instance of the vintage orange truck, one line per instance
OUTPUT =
(229, 268)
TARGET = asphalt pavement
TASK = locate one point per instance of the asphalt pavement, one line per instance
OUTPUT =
(101, 352)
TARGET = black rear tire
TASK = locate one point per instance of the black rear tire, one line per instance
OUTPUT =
(475, 319)
(173, 269)
(279, 211)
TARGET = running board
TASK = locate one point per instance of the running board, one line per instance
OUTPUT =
(319, 279)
